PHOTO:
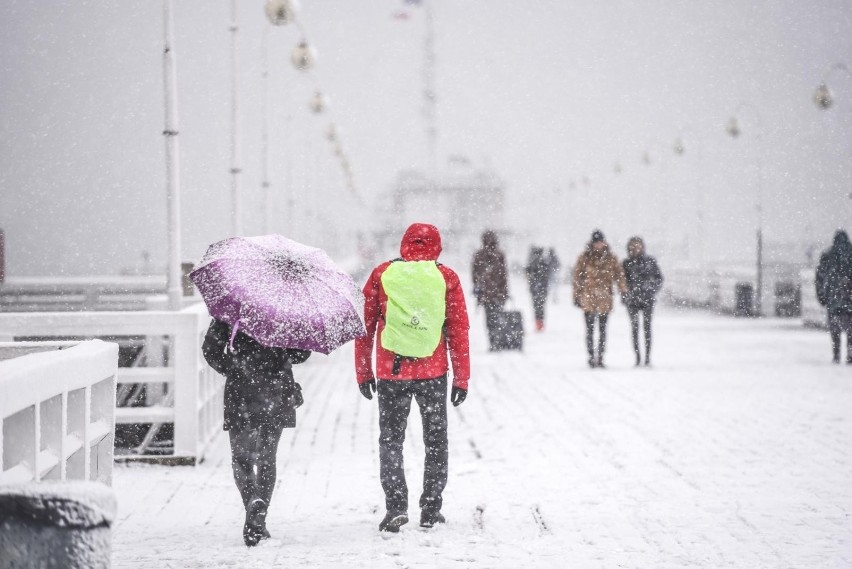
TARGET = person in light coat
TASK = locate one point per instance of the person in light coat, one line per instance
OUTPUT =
(595, 272)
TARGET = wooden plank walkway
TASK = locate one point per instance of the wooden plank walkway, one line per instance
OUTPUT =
(735, 450)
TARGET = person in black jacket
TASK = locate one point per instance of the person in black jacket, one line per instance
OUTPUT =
(834, 291)
(538, 277)
(261, 398)
(644, 280)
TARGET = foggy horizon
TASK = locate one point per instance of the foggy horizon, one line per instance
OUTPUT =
(551, 99)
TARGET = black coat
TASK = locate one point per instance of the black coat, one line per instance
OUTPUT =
(644, 280)
(259, 385)
(538, 273)
(834, 276)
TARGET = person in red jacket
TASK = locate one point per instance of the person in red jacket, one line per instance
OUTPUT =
(424, 378)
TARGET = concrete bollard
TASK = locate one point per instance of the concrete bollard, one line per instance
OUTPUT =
(49, 525)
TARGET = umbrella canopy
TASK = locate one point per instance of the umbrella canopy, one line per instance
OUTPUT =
(281, 293)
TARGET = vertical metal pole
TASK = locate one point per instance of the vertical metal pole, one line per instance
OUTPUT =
(758, 304)
(264, 153)
(173, 279)
(429, 97)
(236, 210)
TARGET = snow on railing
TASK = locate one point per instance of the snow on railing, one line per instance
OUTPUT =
(57, 410)
(194, 393)
(713, 289)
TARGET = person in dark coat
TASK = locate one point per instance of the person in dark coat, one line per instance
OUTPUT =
(834, 292)
(538, 277)
(490, 282)
(261, 398)
(644, 281)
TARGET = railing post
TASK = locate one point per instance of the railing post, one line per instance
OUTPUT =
(186, 386)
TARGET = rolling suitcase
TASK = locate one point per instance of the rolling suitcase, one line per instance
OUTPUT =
(508, 332)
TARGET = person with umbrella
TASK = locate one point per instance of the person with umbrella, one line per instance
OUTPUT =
(273, 302)
(261, 397)
(415, 311)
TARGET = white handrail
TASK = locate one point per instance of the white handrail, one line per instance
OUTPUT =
(57, 412)
(198, 391)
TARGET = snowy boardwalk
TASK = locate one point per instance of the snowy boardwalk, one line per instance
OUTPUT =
(735, 450)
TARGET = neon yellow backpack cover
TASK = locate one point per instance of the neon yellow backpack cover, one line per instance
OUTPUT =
(416, 308)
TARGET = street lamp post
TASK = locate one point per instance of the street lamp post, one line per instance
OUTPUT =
(681, 149)
(734, 129)
(236, 210)
(170, 132)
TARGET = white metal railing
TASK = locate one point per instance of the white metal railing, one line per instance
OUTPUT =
(57, 411)
(195, 392)
(813, 313)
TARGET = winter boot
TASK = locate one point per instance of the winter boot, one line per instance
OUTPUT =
(592, 362)
(255, 523)
(393, 521)
(599, 363)
(638, 359)
(539, 325)
(429, 518)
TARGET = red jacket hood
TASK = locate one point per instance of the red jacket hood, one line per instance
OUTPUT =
(421, 242)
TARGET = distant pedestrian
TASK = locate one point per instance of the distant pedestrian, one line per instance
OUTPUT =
(834, 292)
(594, 273)
(415, 309)
(538, 277)
(261, 398)
(490, 282)
(644, 281)
(555, 267)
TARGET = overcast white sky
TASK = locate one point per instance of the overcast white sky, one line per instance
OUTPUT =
(544, 92)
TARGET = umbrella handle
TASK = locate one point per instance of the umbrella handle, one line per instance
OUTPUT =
(233, 333)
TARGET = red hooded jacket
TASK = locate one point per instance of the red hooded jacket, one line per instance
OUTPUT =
(421, 242)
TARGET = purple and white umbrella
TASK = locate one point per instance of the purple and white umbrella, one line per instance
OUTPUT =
(280, 292)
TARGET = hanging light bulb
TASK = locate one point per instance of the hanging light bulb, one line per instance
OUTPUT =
(318, 103)
(617, 168)
(646, 158)
(679, 148)
(303, 56)
(331, 133)
(733, 127)
(822, 97)
(281, 12)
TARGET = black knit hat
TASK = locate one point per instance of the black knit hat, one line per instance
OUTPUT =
(597, 235)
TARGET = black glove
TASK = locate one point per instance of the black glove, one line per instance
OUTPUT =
(458, 396)
(298, 400)
(368, 388)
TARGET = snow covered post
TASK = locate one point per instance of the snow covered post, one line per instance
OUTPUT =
(235, 154)
(172, 161)
(56, 525)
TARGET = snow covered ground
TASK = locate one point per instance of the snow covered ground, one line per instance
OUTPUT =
(734, 450)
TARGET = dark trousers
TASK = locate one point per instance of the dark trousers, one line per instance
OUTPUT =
(539, 298)
(590, 333)
(840, 322)
(394, 406)
(491, 311)
(646, 310)
(253, 462)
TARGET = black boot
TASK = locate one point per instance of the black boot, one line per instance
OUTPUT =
(429, 518)
(638, 359)
(393, 521)
(255, 523)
